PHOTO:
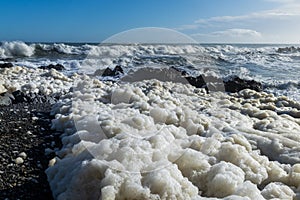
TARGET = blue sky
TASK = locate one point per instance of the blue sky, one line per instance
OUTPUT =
(217, 21)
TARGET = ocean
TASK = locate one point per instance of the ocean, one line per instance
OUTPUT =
(156, 139)
(275, 66)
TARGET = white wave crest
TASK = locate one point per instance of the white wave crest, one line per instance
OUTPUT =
(16, 48)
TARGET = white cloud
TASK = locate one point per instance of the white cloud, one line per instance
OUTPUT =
(286, 13)
(290, 9)
(278, 25)
(230, 36)
(238, 33)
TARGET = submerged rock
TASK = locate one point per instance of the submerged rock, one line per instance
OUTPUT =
(6, 65)
(57, 67)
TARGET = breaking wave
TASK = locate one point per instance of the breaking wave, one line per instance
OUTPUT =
(276, 66)
(16, 49)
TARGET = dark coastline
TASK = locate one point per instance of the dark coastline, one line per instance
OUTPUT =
(25, 127)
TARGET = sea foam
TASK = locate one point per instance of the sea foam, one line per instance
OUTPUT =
(161, 140)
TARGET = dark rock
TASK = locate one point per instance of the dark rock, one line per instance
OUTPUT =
(107, 72)
(236, 84)
(57, 67)
(115, 72)
(6, 65)
(118, 69)
(19, 97)
(196, 81)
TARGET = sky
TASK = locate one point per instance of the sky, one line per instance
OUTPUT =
(207, 21)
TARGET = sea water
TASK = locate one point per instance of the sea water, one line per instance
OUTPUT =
(275, 66)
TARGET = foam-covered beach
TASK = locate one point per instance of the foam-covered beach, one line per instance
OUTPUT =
(151, 139)
(150, 100)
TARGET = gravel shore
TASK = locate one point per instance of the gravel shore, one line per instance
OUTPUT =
(25, 135)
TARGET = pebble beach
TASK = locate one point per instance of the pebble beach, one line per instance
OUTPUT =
(25, 136)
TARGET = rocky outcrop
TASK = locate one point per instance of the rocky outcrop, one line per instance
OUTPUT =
(210, 83)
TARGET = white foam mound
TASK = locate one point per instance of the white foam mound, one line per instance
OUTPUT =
(34, 80)
(155, 140)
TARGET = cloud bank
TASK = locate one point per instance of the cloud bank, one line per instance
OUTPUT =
(278, 25)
